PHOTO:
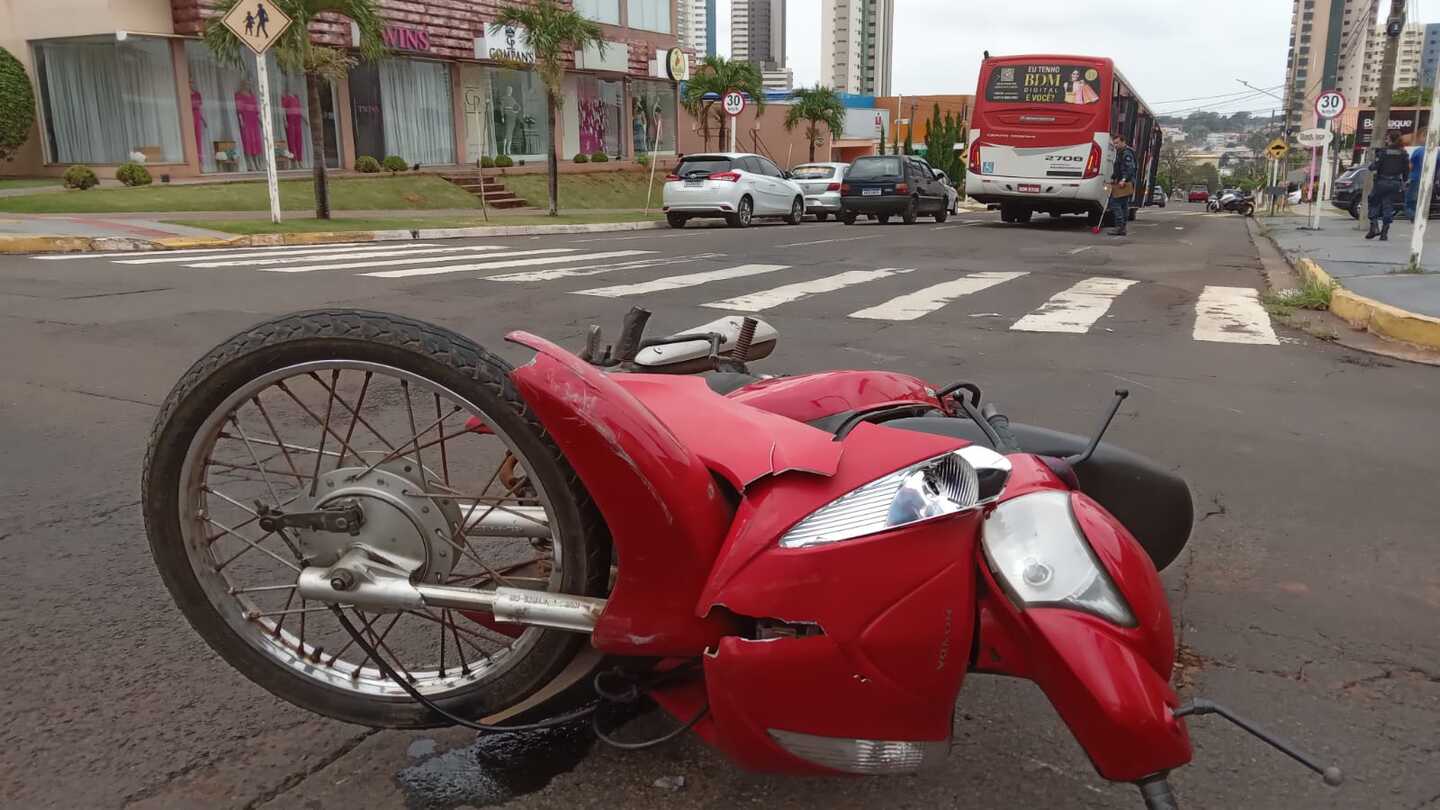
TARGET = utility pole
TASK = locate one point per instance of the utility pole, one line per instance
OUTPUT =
(1394, 27)
(1427, 180)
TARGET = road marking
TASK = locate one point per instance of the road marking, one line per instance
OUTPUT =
(128, 253)
(595, 270)
(765, 299)
(976, 222)
(628, 238)
(828, 241)
(502, 265)
(676, 282)
(1080, 249)
(1233, 315)
(410, 261)
(409, 254)
(923, 302)
(263, 253)
(945, 227)
(1076, 309)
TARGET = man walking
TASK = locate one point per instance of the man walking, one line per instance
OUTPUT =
(1390, 167)
(1417, 164)
(1122, 183)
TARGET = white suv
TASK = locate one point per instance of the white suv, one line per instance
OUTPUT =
(734, 185)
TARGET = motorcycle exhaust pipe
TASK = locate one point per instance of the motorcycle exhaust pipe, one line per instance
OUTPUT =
(361, 581)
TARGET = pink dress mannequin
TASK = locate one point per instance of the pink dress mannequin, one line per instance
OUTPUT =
(196, 103)
(248, 111)
(294, 126)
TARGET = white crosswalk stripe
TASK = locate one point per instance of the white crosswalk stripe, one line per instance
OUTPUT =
(920, 303)
(679, 282)
(504, 265)
(551, 274)
(408, 253)
(1233, 315)
(766, 299)
(260, 254)
(130, 254)
(410, 261)
(1075, 309)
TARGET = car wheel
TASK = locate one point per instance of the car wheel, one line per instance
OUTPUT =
(797, 212)
(942, 215)
(822, 216)
(883, 219)
(911, 211)
(676, 220)
(1354, 210)
(847, 218)
(744, 212)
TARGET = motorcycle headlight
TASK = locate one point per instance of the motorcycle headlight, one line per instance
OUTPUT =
(955, 482)
(1040, 556)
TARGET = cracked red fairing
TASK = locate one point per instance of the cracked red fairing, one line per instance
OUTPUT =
(808, 397)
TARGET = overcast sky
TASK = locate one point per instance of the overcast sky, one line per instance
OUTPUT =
(1166, 48)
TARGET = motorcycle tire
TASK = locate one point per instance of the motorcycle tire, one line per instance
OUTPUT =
(430, 352)
(1248, 210)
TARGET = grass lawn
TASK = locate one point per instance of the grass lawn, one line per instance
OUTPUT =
(379, 194)
(13, 182)
(598, 190)
(254, 226)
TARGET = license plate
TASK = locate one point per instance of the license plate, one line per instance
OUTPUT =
(870, 192)
(694, 183)
(1029, 187)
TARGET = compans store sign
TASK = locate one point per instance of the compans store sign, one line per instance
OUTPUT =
(504, 43)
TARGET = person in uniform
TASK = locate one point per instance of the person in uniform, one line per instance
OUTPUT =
(1390, 168)
(1122, 183)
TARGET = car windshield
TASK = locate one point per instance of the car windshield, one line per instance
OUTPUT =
(872, 167)
(702, 166)
(813, 172)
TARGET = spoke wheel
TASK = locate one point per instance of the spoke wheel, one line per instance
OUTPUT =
(420, 428)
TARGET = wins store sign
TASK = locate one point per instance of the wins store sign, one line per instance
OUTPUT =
(504, 43)
(405, 39)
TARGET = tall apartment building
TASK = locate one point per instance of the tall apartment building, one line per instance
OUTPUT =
(857, 40)
(1429, 54)
(778, 81)
(1328, 42)
(1408, 61)
(757, 33)
(695, 26)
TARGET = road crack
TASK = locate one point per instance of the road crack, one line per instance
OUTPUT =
(290, 782)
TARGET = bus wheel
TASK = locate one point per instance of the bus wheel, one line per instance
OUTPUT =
(1007, 214)
(1023, 215)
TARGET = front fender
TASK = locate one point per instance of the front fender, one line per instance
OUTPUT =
(663, 509)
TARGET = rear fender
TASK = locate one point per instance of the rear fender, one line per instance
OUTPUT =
(664, 511)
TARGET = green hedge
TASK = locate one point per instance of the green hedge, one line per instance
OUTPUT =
(133, 174)
(394, 163)
(367, 165)
(17, 105)
(81, 177)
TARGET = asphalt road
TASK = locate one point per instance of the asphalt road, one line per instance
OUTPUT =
(1309, 598)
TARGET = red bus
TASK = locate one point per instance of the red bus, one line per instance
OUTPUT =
(1040, 135)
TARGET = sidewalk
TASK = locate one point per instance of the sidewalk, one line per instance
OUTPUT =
(1378, 293)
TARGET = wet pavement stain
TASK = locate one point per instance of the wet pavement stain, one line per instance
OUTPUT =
(494, 769)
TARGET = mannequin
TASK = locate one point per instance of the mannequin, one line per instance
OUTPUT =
(509, 118)
(196, 105)
(247, 111)
(294, 126)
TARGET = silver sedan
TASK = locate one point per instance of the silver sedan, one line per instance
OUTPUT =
(821, 184)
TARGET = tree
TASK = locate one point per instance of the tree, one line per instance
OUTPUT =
(320, 64)
(17, 105)
(816, 106)
(1175, 162)
(710, 82)
(553, 30)
(910, 131)
(1410, 97)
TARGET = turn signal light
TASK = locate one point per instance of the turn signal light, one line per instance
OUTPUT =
(732, 177)
(902, 188)
(670, 177)
(833, 187)
(975, 159)
(1092, 164)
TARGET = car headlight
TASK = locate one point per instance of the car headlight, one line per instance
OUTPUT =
(955, 482)
(1040, 556)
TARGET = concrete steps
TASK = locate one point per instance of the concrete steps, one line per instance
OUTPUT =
(495, 194)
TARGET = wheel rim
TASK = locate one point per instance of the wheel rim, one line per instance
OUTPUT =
(797, 211)
(744, 212)
(277, 437)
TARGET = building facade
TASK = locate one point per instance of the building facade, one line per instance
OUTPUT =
(857, 40)
(757, 33)
(1429, 54)
(1328, 40)
(120, 80)
(1408, 59)
(695, 26)
(777, 81)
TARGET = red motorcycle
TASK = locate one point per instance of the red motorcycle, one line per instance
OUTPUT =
(378, 520)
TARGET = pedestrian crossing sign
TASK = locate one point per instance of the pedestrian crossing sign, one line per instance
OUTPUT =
(1277, 148)
(257, 23)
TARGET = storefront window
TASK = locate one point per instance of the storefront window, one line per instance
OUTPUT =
(403, 107)
(517, 115)
(650, 15)
(108, 100)
(225, 108)
(652, 108)
(605, 11)
(599, 106)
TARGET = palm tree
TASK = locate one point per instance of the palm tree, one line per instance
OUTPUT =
(553, 30)
(320, 65)
(816, 106)
(715, 77)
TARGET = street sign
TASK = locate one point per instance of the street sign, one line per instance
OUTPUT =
(734, 103)
(1277, 149)
(677, 64)
(1313, 138)
(1330, 104)
(257, 23)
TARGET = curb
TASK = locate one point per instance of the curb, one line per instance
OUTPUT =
(74, 244)
(1366, 313)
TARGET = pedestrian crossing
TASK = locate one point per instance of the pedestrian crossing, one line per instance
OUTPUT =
(710, 280)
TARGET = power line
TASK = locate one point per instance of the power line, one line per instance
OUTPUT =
(1220, 95)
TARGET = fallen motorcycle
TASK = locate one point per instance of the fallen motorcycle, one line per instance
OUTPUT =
(378, 520)
(1239, 202)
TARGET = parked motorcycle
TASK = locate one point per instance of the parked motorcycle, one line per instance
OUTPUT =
(1240, 202)
(380, 521)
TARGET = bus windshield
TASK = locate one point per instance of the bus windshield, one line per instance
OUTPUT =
(1044, 83)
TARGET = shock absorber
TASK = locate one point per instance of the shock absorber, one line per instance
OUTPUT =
(741, 351)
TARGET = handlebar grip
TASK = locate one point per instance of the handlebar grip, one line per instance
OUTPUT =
(628, 346)
(1001, 424)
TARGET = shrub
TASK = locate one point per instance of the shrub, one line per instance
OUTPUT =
(367, 164)
(487, 162)
(81, 177)
(599, 157)
(17, 105)
(582, 158)
(133, 174)
(643, 159)
(394, 163)
(504, 162)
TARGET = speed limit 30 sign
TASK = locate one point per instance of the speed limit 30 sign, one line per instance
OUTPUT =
(1330, 104)
(733, 102)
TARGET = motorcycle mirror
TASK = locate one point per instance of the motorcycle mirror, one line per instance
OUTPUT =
(1077, 460)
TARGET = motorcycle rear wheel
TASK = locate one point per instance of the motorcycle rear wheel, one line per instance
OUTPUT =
(282, 375)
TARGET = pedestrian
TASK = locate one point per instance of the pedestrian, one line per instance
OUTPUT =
(1390, 168)
(249, 24)
(1417, 163)
(262, 18)
(1122, 183)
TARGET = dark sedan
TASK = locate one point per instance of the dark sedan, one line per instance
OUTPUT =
(1350, 188)
(885, 186)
